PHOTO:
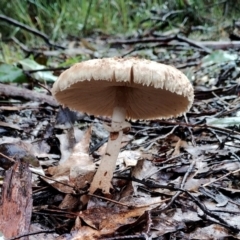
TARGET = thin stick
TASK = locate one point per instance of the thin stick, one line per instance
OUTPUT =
(10, 159)
(29, 29)
(215, 180)
(107, 199)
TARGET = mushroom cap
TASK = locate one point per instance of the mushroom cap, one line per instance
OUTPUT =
(146, 89)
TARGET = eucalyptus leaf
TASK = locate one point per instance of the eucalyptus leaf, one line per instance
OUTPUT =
(10, 73)
(29, 64)
(218, 56)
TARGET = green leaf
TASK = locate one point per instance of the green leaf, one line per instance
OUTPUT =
(10, 73)
(29, 64)
(218, 56)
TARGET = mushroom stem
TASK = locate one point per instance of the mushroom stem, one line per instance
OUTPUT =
(102, 178)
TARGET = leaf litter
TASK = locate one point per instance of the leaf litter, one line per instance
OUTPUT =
(174, 178)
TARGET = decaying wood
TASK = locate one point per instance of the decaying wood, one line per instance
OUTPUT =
(16, 202)
(13, 91)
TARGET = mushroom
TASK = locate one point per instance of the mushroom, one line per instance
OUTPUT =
(122, 88)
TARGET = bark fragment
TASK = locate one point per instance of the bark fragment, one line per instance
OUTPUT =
(16, 202)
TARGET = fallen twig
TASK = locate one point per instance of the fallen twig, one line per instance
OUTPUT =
(163, 40)
(210, 213)
(206, 46)
(224, 45)
(29, 29)
(51, 53)
(217, 179)
(13, 91)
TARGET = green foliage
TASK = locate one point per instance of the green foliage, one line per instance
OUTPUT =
(61, 18)
(219, 56)
(10, 73)
(29, 64)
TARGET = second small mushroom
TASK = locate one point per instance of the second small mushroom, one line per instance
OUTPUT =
(122, 88)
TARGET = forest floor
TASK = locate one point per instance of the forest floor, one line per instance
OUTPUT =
(175, 179)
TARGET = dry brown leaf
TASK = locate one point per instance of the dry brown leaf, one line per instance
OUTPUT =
(108, 219)
(86, 233)
(213, 232)
(76, 170)
(143, 170)
(166, 224)
(180, 144)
